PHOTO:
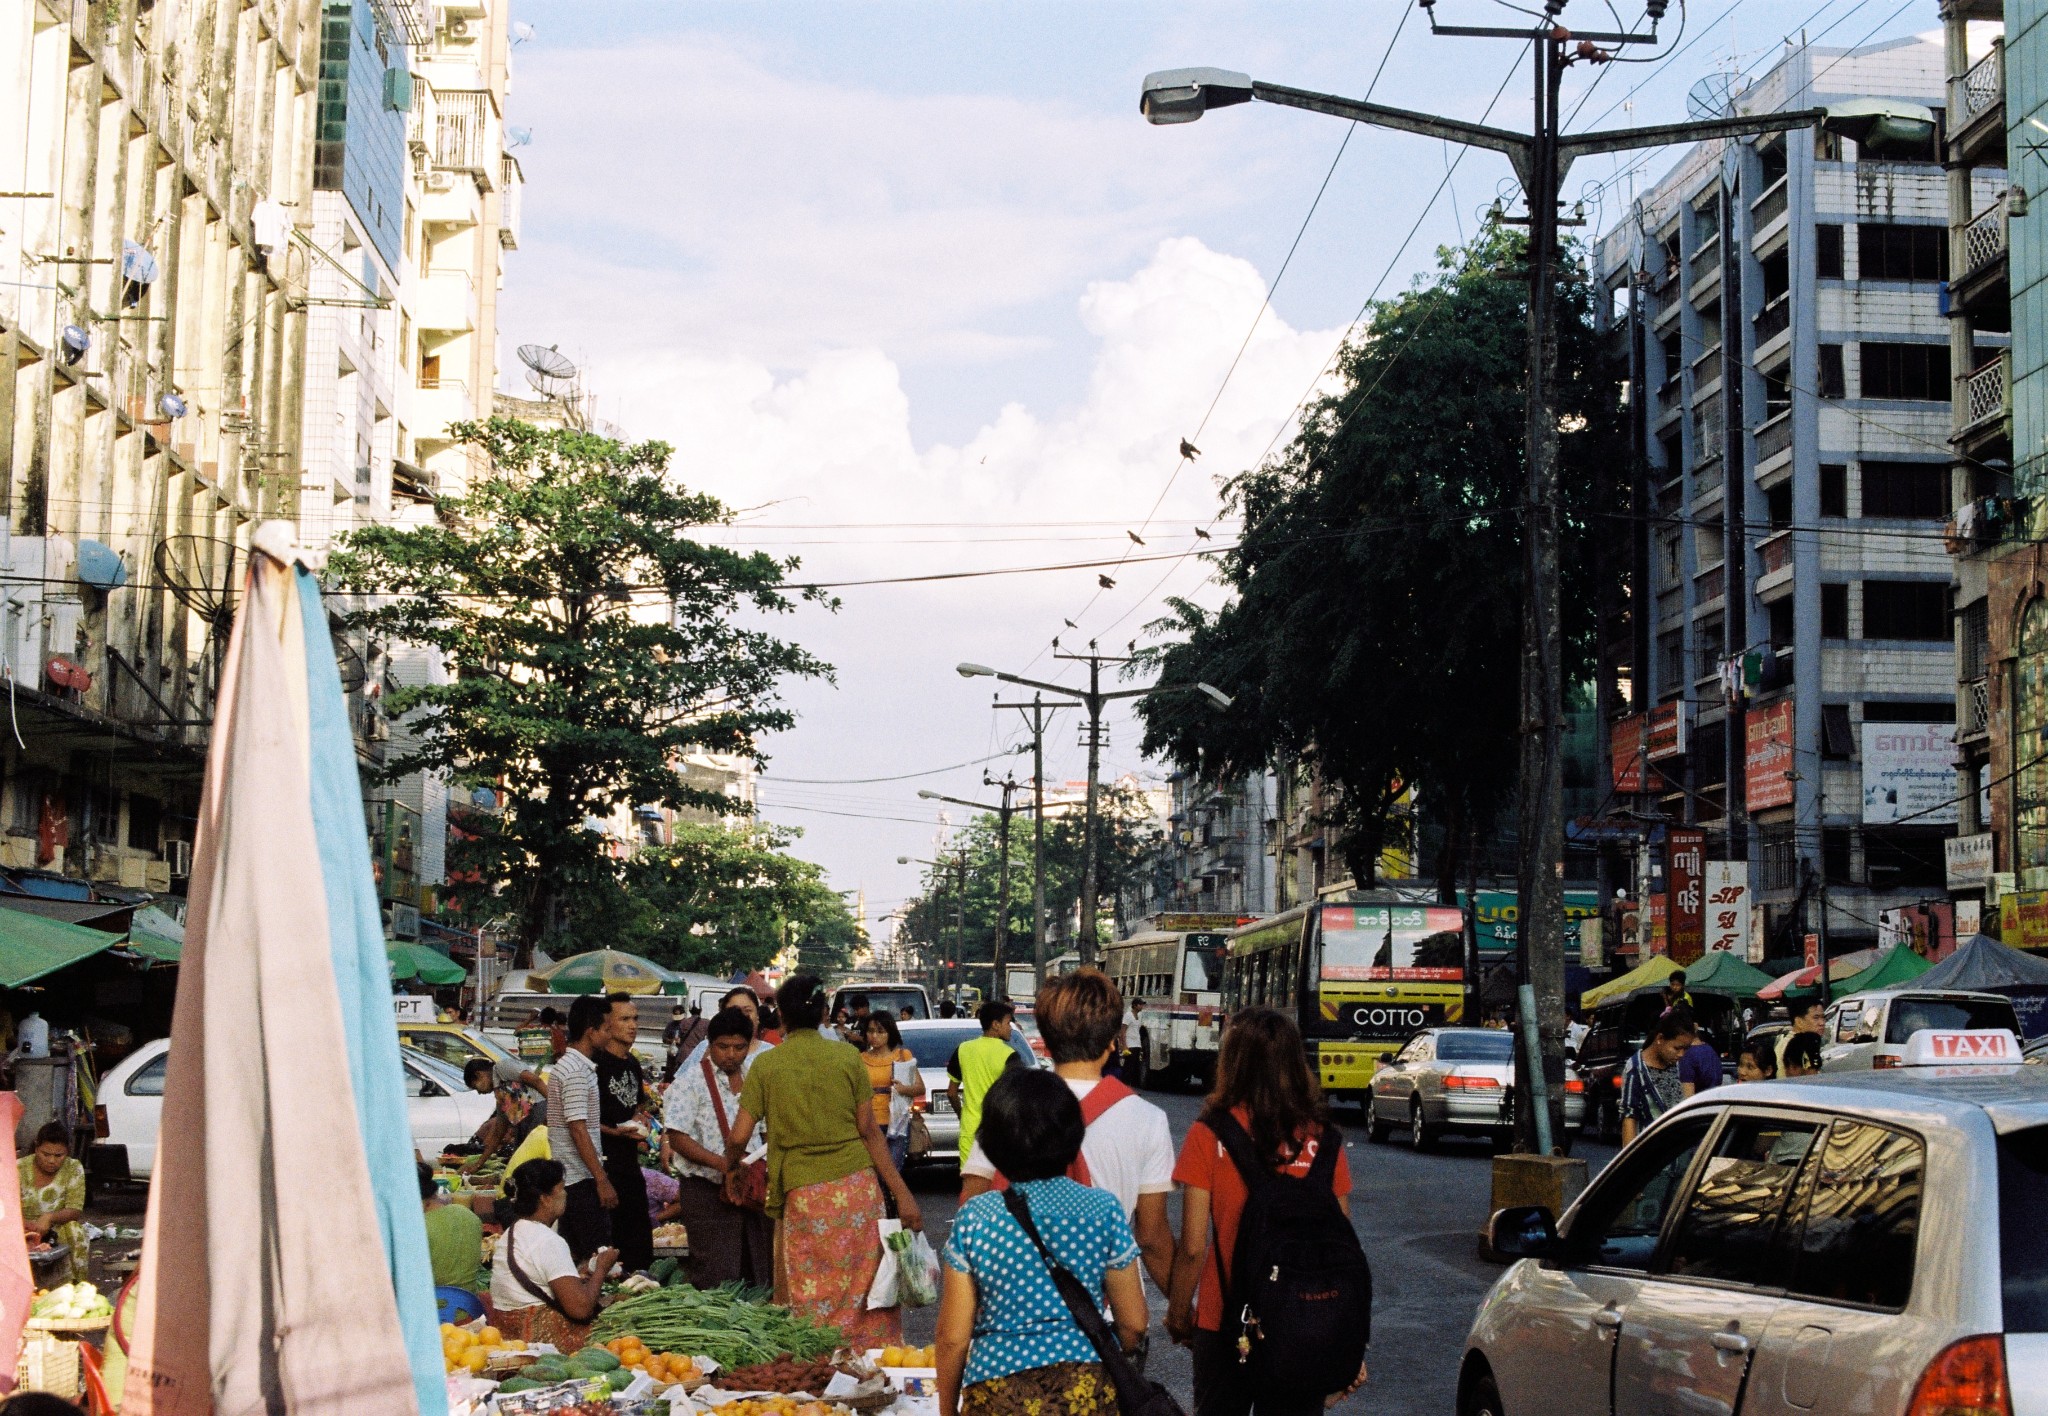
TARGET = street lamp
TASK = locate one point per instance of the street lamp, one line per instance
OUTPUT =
(1540, 160)
(1093, 698)
(959, 908)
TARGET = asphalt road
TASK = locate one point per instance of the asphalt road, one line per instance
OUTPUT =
(1418, 1216)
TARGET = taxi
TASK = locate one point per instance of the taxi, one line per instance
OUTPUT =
(1868, 1242)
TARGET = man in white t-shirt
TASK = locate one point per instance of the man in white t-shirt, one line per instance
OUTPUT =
(1128, 1149)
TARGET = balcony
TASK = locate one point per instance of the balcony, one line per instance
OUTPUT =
(1705, 263)
(1774, 559)
(1706, 370)
(1976, 111)
(1981, 285)
(1973, 708)
(1773, 437)
(1983, 396)
(1670, 602)
(447, 302)
(512, 183)
(1773, 320)
(439, 403)
(1706, 428)
(1709, 586)
(1770, 207)
(458, 133)
(1985, 239)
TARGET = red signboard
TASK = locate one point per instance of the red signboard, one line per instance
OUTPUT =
(1659, 924)
(1626, 748)
(1685, 868)
(1767, 759)
(1665, 736)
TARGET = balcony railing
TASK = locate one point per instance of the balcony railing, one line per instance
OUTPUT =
(1986, 238)
(1670, 600)
(1774, 437)
(1984, 394)
(461, 133)
(511, 185)
(1709, 584)
(1976, 706)
(1771, 205)
(1773, 319)
(1708, 476)
(1982, 88)
(1706, 260)
(1774, 552)
(1706, 428)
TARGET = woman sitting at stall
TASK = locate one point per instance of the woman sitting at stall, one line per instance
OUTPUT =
(53, 1199)
(536, 1290)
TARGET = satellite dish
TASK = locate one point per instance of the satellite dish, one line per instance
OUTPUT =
(547, 369)
(205, 573)
(355, 670)
(1712, 97)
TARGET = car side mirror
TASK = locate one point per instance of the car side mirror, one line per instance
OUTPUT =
(1522, 1232)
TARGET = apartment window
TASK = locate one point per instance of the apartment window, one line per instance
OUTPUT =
(1835, 859)
(1778, 506)
(1900, 856)
(1669, 546)
(1671, 657)
(145, 822)
(1827, 248)
(1707, 650)
(1834, 611)
(1911, 710)
(1890, 251)
(1781, 857)
(1777, 276)
(1976, 640)
(1827, 147)
(1674, 358)
(1771, 160)
(1674, 456)
(1833, 384)
(1914, 490)
(1905, 609)
(1834, 489)
(1837, 742)
(1906, 371)
(1783, 623)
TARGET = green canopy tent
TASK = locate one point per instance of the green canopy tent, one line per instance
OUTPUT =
(417, 961)
(603, 971)
(32, 946)
(1893, 967)
(156, 936)
(1722, 972)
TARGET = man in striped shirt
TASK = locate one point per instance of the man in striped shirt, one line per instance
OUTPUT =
(1650, 1084)
(572, 1131)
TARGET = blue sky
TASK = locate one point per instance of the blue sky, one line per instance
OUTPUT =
(877, 266)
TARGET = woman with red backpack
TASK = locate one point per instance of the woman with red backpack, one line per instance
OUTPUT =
(1270, 1286)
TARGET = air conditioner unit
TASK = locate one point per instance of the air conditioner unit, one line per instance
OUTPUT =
(440, 181)
(178, 855)
(405, 921)
(458, 29)
(156, 877)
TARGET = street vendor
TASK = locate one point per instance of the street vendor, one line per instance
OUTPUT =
(53, 1197)
(537, 1291)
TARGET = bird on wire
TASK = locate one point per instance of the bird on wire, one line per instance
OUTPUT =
(1105, 582)
(1189, 450)
(1136, 539)
(1201, 534)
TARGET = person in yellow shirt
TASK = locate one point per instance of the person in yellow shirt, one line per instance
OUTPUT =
(975, 1065)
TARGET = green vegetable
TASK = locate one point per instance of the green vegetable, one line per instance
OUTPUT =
(618, 1379)
(729, 1324)
(513, 1384)
(546, 1371)
(660, 1269)
(596, 1359)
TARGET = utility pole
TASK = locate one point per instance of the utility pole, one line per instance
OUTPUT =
(1540, 160)
(1003, 811)
(1035, 713)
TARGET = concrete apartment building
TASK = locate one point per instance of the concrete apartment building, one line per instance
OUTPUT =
(1793, 674)
(158, 162)
(1214, 852)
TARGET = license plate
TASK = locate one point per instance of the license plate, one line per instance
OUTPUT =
(941, 1105)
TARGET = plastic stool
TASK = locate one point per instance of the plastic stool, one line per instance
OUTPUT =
(458, 1305)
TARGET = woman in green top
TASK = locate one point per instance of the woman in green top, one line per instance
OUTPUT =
(455, 1238)
(824, 1152)
(53, 1196)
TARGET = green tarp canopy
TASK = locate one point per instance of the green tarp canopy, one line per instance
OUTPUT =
(156, 936)
(410, 961)
(1646, 975)
(32, 946)
(1893, 967)
(1723, 972)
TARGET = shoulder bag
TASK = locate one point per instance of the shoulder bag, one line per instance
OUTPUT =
(1136, 1395)
(753, 1188)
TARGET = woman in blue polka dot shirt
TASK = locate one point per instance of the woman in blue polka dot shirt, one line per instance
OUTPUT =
(1007, 1345)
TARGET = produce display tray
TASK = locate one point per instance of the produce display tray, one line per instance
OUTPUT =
(671, 1251)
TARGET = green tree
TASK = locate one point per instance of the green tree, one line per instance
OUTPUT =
(1373, 628)
(591, 642)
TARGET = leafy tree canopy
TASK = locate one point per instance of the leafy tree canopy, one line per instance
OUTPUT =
(1373, 628)
(590, 642)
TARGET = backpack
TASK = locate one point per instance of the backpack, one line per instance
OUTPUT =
(1105, 1094)
(1297, 1288)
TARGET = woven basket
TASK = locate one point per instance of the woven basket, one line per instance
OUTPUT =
(49, 1354)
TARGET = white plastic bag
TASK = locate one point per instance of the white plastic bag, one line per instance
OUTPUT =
(917, 1269)
(882, 1292)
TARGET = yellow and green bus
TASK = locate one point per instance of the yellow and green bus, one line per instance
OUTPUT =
(1361, 975)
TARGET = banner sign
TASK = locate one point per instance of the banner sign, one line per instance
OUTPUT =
(1767, 757)
(1626, 752)
(1685, 861)
(1660, 940)
(1664, 738)
(1909, 773)
(1727, 927)
(1970, 860)
(1499, 910)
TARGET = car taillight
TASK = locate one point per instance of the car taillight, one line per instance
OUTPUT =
(99, 1123)
(919, 1103)
(1471, 1084)
(1616, 1079)
(1886, 1060)
(1573, 1084)
(1966, 1379)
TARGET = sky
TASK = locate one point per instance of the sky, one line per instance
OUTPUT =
(912, 286)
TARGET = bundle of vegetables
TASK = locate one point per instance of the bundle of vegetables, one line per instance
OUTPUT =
(726, 1324)
(73, 1302)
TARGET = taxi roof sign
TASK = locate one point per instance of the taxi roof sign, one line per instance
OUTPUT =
(1944, 1047)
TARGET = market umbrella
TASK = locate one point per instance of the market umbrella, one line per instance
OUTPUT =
(410, 961)
(1719, 971)
(1645, 975)
(285, 1265)
(603, 971)
(1841, 967)
(1894, 966)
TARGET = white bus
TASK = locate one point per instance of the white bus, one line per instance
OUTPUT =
(1172, 976)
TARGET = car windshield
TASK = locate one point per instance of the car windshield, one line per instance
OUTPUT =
(895, 1000)
(933, 1046)
(1911, 1015)
(1201, 969)
(2022, 1239)
(440, 1071)
(1478, 1045)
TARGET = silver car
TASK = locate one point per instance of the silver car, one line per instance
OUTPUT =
(1779, 1248)
(933, 1041)
(1454, 1079)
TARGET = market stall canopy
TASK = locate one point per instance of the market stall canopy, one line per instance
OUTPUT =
(1982, 962)
(31, 946)
(1804, 980)
(100, 914)
(1895, 966)
(410, 961)
(603, 971)
(155, 935)
(1721, 972)
(1646, 975)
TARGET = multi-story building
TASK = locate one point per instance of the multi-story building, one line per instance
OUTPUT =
(156, 161)
(1782, 301)
(1213, 854)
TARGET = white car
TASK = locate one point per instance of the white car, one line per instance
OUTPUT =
(1871, 1029)
(443, 1111)
(1455, 1080)
(1868, 1242)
